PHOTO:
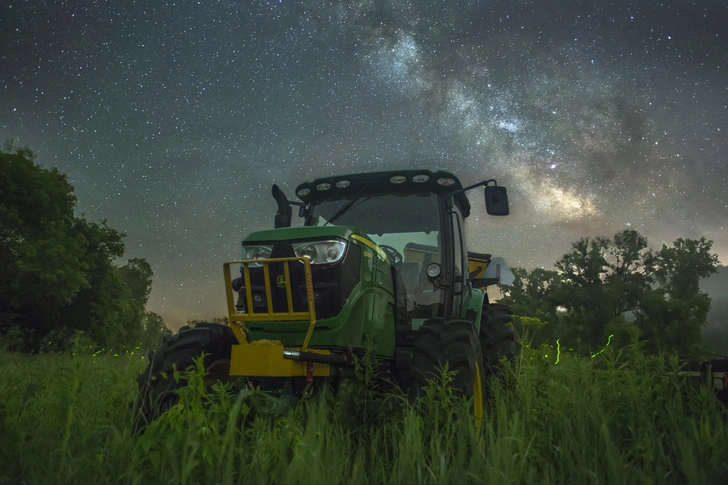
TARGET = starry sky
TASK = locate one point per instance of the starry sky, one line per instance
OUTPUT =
(173, 119)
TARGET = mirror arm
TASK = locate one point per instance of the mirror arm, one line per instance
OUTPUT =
(465, 189)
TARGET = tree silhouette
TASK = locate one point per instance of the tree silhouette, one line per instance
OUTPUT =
(57, 271)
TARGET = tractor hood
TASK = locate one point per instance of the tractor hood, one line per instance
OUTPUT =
(302, 233)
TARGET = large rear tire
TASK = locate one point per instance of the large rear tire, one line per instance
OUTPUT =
(497, 337)
(157, 385)
(455, 343)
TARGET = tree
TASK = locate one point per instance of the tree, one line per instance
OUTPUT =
(154, 331)
(610, 287)
(680, 268)
(582, 292)
(37, 257)
(530, 295)
(40, 262)
(57, 271)
(138, 275)
(673, 314)
(626, 278)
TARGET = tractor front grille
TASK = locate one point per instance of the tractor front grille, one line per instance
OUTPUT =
(332, 285)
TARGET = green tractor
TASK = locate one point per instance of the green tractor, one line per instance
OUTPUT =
(380, 263)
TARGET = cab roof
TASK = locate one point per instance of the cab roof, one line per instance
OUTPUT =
(400, 182)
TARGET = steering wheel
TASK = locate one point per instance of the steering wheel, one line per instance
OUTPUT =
(395, 257)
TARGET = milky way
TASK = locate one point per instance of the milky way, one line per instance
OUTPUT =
(173, 119)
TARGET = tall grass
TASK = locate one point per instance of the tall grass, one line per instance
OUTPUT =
(620, 417)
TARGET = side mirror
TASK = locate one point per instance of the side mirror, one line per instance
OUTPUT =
(496, 200)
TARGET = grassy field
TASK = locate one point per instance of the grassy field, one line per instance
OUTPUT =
(620, 417)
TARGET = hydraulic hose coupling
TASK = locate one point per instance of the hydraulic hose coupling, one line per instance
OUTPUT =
(331, 359)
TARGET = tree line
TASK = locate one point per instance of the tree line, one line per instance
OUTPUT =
(615, 289)
(58, 275)
(58, 271)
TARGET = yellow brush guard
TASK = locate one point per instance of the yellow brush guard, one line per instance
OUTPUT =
(264, 358)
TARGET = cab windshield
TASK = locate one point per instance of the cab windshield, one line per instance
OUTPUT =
(392, 220)
(409, 224)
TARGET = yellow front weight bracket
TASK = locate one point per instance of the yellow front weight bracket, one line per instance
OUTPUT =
(264, 358)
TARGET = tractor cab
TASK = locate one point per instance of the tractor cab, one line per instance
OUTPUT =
(385, 252)
(416, 219)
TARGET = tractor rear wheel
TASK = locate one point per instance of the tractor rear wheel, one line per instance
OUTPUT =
(455, 343)
(157, 386)
(497, 337)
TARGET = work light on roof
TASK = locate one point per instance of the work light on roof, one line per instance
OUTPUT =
(342, 184)
(323, 186)
(303, 192)
(398, 179)
(445, 181)
(419, 179)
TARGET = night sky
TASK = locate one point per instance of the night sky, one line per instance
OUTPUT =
(173, 119)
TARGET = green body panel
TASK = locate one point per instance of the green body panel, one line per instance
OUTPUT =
(369, 308)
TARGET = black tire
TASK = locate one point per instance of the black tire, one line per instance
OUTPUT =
(455, 343)
(157, 386)
(497, 337)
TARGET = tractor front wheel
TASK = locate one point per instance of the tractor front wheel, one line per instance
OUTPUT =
(497, 337)
(157, 385)
(453, 342)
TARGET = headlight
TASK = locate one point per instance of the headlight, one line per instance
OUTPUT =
(321, 252)
(256, 252)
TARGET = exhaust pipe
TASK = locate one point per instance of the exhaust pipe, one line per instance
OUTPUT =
(283, 216)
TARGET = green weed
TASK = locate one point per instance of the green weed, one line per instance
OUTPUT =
(620, 417)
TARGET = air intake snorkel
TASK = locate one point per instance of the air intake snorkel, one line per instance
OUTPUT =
(283, 216)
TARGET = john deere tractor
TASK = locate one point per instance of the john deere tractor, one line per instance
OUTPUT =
(380, 262)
